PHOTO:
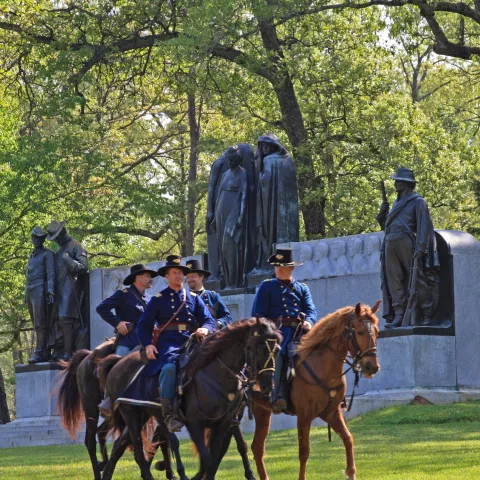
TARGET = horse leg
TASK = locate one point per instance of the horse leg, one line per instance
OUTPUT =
(216, 440)
(118, 449)
(262, 427)
(303, 430)
(337, 422)
(175, 447)
(133, 419)
(161, 438)
(102, 433)
(242, 448)
(91, 444)
(197, 436)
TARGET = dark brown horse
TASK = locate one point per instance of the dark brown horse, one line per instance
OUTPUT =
(78, 398)
(318, 387)
(213, 398)
(79, 394)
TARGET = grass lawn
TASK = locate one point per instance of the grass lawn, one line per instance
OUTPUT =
(402, 443)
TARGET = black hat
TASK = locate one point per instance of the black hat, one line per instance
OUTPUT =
(138, 270)
(38, 232)
(173, 261)
(54, 228)
(195, 267)
(404, 174)
(283, 258)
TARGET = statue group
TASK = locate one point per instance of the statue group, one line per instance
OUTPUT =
(252, 206)
(53, 294)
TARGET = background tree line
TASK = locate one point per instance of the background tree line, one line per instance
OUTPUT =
(111, 113)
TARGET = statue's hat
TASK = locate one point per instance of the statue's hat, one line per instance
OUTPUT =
(173, 261)
(404, 174)
(39, 232)
(54, 228)
(283, 257)
(196, 267)
(138, 270)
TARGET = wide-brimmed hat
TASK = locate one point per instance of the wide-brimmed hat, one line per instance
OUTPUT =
(173, 261)
(283, 257)
(138, 270)
(54, 228)
(39, 232)
(196, 267)
(404, 174)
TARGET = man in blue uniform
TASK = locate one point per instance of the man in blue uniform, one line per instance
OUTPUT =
(212, 299)
(284, 297)
(129, 304)
(178, 314)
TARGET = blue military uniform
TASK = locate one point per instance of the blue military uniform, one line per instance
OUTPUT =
(194, 314)
(216, 306)
(129, 305)
(274, 299)
(279, 298)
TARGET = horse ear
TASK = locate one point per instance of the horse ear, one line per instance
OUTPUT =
(376, 306)
(358, 309)
(278, 322)
(258, 319)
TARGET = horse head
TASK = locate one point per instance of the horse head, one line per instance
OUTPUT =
(262, 347)
(362, 330)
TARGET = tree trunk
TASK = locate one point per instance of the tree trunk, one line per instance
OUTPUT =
(192, 193)
(4, 414)
(312, 199)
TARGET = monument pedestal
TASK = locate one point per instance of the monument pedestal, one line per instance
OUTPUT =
(37, 421)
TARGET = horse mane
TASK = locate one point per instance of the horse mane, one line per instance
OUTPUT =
(221, 340)
(330, 327)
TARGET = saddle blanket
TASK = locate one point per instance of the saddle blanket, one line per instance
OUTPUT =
(141, 391)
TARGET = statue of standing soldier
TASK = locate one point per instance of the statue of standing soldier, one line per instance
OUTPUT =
(40, 294)
(70, 262)
(409, 252)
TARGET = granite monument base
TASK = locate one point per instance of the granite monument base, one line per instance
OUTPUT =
(37, 421)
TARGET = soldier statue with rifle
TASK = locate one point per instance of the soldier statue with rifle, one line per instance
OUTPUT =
(408, 254)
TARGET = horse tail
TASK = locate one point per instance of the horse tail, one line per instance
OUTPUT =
(148, 435)
(68, 399)
(105, 365)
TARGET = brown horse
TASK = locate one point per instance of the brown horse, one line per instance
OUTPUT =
(318, 387)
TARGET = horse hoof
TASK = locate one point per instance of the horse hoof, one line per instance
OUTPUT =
(160, 466)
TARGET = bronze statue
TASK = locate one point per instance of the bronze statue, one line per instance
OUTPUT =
(229, 223)
(39, 293)
(219, 167)
(70, 262)
(409, 253)
(277, 215)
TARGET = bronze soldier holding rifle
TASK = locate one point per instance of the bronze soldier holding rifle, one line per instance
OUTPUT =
(409, 250)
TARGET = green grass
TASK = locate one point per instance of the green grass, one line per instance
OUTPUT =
(402, 443)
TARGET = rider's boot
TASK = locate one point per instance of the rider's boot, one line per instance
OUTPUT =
(279, 395)
(171, 420)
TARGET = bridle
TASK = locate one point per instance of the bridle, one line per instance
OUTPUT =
(251, 358)
(351, 340)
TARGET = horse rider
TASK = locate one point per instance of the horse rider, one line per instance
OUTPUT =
(178, 313)
(212, 299)
(129, 304)
(283, 297)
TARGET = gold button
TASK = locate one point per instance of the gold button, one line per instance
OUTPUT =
(173, 306)
(283, 299)
(284, 304)
(177, 319)
(172, 300)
